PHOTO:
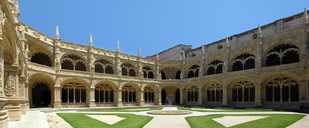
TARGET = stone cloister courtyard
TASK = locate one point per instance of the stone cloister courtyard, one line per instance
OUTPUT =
(258, 78)
(165, 116)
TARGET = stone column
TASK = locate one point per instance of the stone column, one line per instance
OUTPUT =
(225, 95)
(306, 42)
(200, 94)
(57, 96)
(227, 57)
(302, 91)
(158, 98)
(259, 51)
(181, 96)
(258, 94)
(92, 96)
(119, 97)
(3, 101)
(141, 97)
(140, 68)
(157, 69)
(118, 64)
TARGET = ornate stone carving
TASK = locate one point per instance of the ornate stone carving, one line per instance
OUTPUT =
(10, 82)
(1, 73)
(2, 21)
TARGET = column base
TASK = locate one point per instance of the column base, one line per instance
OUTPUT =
(3, 113)
(92, 104)
(159, 104)
(14, 112)
(141, 103)
(14, 108)
(23, 108)
(57, 104)
(4, 119)
(119, 104)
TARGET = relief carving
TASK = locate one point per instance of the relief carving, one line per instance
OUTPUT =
(9, 87)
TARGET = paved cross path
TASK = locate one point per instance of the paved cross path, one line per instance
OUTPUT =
(168, 121)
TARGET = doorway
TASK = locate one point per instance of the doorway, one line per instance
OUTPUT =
(41, 95)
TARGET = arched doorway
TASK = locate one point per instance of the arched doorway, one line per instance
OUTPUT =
(163, 97)
(41, 95)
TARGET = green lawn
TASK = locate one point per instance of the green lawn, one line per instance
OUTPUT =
(124, 109)
(273, 121)
(80, 120)
(200, 109)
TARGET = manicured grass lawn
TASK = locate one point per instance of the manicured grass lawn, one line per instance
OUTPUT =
(273, 121)
(200, 109)
(80, 120)
(124, 109)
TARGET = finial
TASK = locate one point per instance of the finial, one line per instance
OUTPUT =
(139, 53)
(90, 40)
(118, 46)
(203, 48)
(260, 31)
(157, 57)
(306, 15)
(227, 41)
(57, 32)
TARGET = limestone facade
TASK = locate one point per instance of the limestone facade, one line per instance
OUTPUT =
(263, 67)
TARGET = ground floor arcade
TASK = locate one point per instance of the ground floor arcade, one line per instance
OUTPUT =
(277, 91)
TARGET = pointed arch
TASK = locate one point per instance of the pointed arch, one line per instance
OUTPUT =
(282, 54)
(41, 58)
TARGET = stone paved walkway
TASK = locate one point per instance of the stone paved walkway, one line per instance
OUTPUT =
(33, 119)
(303, 123)
(166, 121)
(37, 119)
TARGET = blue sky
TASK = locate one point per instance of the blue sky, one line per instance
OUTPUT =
(153, 25)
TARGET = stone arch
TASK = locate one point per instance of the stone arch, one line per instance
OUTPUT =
(282, 54)
(192, 94)
(149, 94)
(178, 75)
(109, 69)
(41, 88)
(40, 53)
(67, 64)
(105, 93)
(169, 72)
(77, 61)
(103, 66)
(80, 66)
(193, 71)
(170, 95)
(148, 72)
(74, 91)
(130, 93)
(41, 58)
(128, 69)
(243, 61)
(281, 89)
(98, 68)
(215, 67)
(132, 72)
(213, 93)
(241, 92)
